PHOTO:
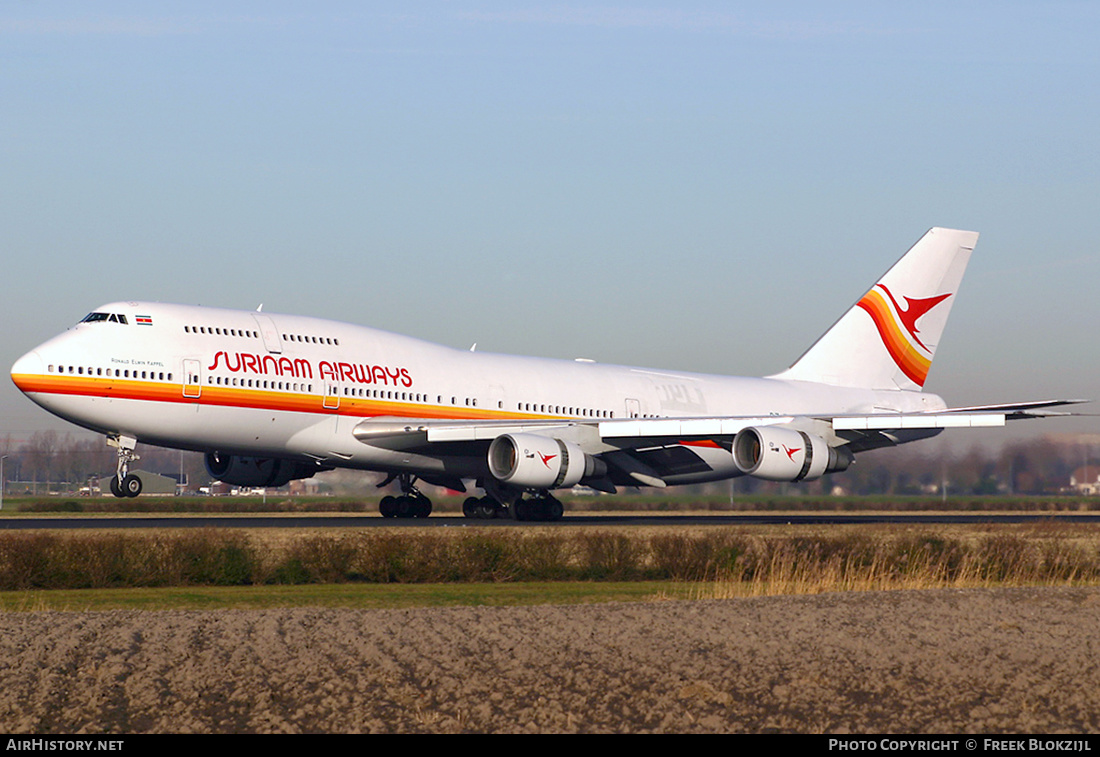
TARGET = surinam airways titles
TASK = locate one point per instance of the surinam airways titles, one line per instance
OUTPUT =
(268, 365)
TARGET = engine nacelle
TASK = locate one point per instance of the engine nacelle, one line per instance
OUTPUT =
(784, 454)
(540, 462)
(255, 471)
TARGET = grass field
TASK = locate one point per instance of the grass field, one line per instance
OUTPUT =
(221, 568)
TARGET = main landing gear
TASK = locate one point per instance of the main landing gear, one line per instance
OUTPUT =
(124, 483)
(540, 507)
(411, 503)
(483, 508)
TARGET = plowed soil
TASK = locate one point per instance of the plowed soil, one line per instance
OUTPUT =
(951, 661)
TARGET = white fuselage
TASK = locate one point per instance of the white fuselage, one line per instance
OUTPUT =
(260, 384)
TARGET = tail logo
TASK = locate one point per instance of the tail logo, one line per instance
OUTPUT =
(893, 324)
(916, 309)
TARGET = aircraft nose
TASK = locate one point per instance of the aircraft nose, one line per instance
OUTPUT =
(26, 369)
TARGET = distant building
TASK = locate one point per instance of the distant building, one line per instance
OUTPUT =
(157, 485)
(1086, 479)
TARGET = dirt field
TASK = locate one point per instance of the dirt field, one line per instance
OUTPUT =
(898, 662)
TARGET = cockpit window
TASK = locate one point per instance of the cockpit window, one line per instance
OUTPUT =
(109, 317)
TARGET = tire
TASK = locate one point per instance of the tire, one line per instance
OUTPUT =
(388, 506)
(486, 509)
(115, 488)
(422, 507)
(131, 486)
(406, 507)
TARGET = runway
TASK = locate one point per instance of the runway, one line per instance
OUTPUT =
(134, 522)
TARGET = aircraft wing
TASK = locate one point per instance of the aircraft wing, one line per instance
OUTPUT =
(405, 432)
(649, 451)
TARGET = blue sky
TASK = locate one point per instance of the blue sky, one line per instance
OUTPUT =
(705, 186)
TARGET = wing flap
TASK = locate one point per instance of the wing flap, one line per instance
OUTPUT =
(685, 427)
(939, 420)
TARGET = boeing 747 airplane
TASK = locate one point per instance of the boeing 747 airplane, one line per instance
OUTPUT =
(271, 398)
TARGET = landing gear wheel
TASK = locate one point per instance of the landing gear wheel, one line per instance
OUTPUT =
(554, 509)
(131, 485)
(388, 506)
(422, 507)
(406, 507)
(115, 488)
(486, 509)
(469, 507)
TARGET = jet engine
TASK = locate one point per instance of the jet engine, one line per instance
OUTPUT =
(775, 453)
(256, 471)
(540, 462)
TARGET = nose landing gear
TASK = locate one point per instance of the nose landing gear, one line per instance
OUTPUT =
(124, 483)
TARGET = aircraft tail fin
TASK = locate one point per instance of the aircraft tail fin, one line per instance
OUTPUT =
(888, 338)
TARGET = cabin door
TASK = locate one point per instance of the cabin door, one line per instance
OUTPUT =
(192, 379)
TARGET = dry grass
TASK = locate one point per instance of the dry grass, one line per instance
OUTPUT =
(860, 563)
(722, 560)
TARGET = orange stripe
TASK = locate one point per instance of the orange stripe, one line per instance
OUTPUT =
(911, 362)
(254, 399)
